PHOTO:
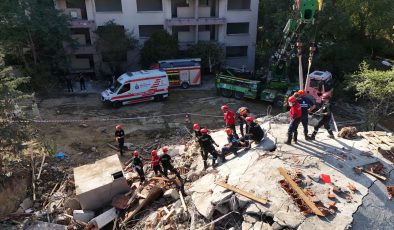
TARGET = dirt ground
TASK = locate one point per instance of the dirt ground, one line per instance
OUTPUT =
(76, 139)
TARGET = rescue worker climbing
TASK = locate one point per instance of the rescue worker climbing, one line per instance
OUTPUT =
(295, 119)
(165, 161)
(119, 136)
(138, 166)
(198, 134)
(255, 132)
(155, 163)
(229, 118)
(306, 107)
(207, 146)
(325, 112)
(234, 144)
(242, 113)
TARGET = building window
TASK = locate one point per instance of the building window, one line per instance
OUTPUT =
(238, 28)
(147, 30)
(108, 5)
(236, 51)
(149, 5)
(238, 5)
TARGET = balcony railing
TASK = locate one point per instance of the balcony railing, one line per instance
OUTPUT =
(195, 21)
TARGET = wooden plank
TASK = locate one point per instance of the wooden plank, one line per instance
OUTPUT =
(42, 164)
(385, 141)
(160, 178)
(304, 197)
(166, 210)
(374, 174)
(183, 201)
(113, 147)
(370, 140)
(169, 214)
(261, 200)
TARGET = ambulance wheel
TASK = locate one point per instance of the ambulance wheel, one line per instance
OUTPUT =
(238, 95)
(278, 101)
(185, 85)
(158, 98)
(226, 93)
(117, 104)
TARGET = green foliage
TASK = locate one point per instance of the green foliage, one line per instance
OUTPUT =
(161, 45)
(33, 32)
(14, 128)
(211, 54)
(114, 42)
(376, 88)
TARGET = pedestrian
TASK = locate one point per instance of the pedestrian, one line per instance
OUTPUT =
(69, 84)
(229, 118)
(325, 112)
(138, 166)
(255, 132)
(82, 82)
(306, 107)
(295, 119)
(165, 161)
(119, 136)
(207, 145)
(242, 113)
(198, 135)
(234, 144)
(155, 163)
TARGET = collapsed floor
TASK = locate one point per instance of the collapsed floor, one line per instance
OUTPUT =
(349, 200)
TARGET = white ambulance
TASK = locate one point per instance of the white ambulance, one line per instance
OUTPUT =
(135, 87)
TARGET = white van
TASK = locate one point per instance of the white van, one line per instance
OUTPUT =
(135, 87)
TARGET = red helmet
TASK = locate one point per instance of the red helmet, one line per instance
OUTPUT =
(153, 152)
(204, 130)
(136, 154)
(229, 131)
(196, 127)
(326, 95)
(249, 119)
(165, 149)
(301, 92)
(224, 107)
(118, 127)
(292, 99)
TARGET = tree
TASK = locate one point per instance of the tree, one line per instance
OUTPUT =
(161, 45)
(211, 54)
(14, 128)
(376, 88)
(114, 42)
(34, 31)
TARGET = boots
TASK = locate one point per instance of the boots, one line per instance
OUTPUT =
(288, 142)
(331, 134)
(313, 135)
(205, 165)
(307, 138)
(295, 137)
(213, 163)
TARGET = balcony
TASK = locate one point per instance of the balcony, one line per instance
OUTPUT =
(195, 21)
(77, 20)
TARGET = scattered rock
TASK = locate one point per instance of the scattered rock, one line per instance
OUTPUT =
(83, 125)
(93, 149)
(172, 193)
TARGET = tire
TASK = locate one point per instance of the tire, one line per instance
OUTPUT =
(226, 93)
(158, 97)
(278, 102)
(238, 95)
(185, 85)
(116, 104)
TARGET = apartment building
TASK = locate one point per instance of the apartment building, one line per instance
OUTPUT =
(232, 23)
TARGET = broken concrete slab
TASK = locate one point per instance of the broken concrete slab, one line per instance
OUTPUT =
(173, 193)
(104, 218)
(82, 215)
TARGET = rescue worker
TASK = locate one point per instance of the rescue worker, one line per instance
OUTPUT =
(138, 166)
(255, 132)
(233, 144)
(325, 112)
(242, 113)
(306, 107)
(165, 161)
(155, 163)
(229, 118)
(69, 84)
(119, 136)
(295, 119)
(198, 134)
(207, 145)
(82, 82)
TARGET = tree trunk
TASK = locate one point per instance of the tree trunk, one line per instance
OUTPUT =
(32, 47)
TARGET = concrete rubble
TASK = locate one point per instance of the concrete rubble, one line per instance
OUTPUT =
(354, 199)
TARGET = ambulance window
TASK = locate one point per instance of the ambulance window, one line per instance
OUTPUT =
(125, 88)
